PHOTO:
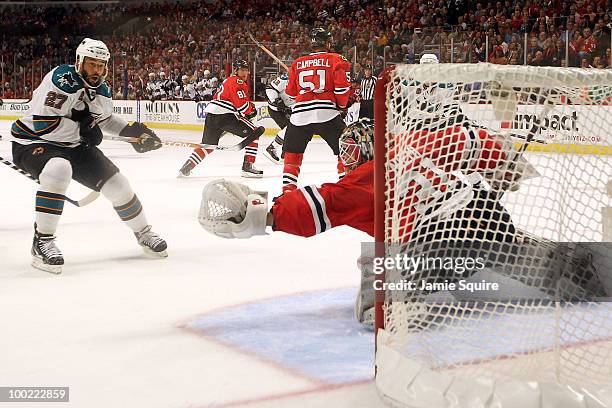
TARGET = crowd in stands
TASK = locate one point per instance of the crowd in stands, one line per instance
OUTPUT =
(183, 40)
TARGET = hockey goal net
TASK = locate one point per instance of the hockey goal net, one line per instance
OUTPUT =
(493, 203)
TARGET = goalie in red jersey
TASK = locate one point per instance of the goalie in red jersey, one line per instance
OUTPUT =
(231, 110)
(312, 210)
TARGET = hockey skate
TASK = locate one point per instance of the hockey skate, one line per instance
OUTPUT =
(270, 153)
(151, 243)
(249, 170)
(185, 171)
(46, 256)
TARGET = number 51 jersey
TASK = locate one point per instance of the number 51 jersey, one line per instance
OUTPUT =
(320, 84)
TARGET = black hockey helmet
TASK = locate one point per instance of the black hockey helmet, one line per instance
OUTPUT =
(240, 63)
(319, 37)
(357, 143)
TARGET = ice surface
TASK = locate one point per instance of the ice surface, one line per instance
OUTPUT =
(113, 325)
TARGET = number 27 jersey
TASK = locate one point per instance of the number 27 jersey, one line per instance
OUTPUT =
(320, 84)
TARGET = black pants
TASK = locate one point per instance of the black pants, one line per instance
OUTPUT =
(281, 119)
(216, 124)
(366, 109)
(297, 137)
(90, 166)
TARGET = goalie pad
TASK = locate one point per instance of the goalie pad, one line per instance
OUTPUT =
(233, 210)
(364, 302)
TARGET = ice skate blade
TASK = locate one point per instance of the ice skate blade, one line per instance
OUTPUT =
(181, 175)
(40, 265)
(148, 251)
(251, 175)
(268, 156)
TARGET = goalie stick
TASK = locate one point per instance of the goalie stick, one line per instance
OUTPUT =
(176, 143)
(267, 51)
(535, 130)
(79, 203)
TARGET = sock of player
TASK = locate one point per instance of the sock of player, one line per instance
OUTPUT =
(197, 156)
(341, 170)
(54, 180)
(280, 138)
(291, 171)
(127, 205)
(250, 152)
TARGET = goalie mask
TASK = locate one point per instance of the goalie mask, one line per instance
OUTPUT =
(357, 144)
(96, 50)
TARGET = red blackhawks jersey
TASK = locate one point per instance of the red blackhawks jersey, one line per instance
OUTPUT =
(433, 156)
(232, 97)
(309, 210)
(320, 84)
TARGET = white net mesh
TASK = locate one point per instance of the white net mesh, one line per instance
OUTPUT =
(509, 167)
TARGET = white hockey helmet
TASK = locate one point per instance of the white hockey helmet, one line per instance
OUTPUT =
(428, 59)
(206, 73)
(151, 75)
(162, 74)
(94, 49)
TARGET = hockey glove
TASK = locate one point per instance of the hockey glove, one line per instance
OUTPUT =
(89, 131)
(233, 210)
(343, 112)
(147, 139)
(252, 114)
(286, 110)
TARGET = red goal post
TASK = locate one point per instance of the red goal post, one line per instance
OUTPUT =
(380, 150)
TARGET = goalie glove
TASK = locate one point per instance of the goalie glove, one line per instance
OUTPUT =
(232, 210)
(147, 139)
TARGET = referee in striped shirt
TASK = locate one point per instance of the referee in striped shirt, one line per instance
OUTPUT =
(368, 83)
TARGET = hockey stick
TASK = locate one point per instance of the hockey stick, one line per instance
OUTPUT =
(16, 103)
(79, 203)
(267, 51)
(176, 143)
(536, 129)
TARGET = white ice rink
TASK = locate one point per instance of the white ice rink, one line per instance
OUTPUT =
(195, 329)
(264, 322)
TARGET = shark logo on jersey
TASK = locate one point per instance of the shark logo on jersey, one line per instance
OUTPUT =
(67, 79)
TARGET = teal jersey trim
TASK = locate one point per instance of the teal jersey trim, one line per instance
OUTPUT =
(104, 90)
(67, 79)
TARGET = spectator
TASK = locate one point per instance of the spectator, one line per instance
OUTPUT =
(171, 38)
(498, 56)
(584, 63)
(589, 44)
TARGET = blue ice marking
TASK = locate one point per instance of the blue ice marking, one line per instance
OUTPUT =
(313, 333)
